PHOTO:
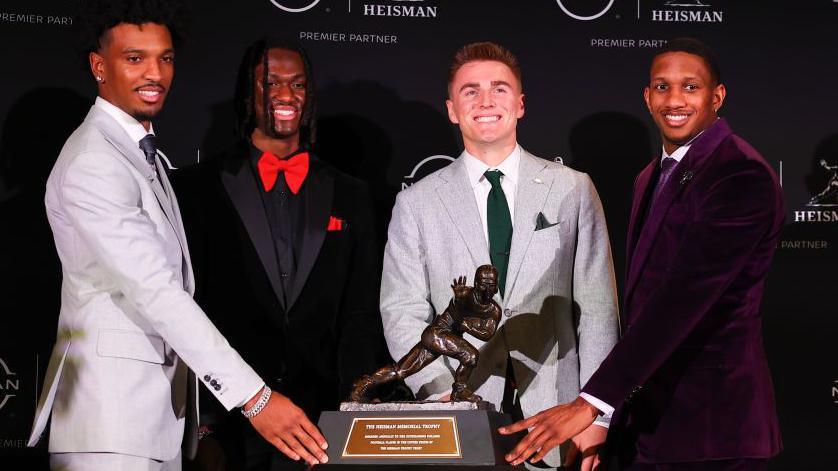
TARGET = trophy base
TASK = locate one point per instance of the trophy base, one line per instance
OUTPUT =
(415, 405)
(417, 435)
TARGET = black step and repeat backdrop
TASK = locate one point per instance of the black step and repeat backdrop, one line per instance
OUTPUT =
(380, 68)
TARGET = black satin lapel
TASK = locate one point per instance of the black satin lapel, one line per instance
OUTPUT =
(243, 191)
(318, 193)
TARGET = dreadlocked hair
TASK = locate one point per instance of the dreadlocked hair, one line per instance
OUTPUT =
(244, 98)
(97, 17)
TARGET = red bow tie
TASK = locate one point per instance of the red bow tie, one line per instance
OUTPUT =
(295, 169)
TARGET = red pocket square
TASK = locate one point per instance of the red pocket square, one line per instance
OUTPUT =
(335, 224)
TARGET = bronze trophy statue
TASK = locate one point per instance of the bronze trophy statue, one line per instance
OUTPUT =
(459, 432)
(472, 311)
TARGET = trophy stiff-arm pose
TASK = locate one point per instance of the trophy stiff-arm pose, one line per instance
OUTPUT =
(471, 311)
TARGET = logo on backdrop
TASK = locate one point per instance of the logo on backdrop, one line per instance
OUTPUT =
(829, 195)
(822, 207)
(9, 384)
(39, 18)
(399, 8)
(687, 11)
(425, 167)
(574, 12)
(295, 6)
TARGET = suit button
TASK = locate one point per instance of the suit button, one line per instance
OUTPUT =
(284, 274)
(207, 377)
(634, 392)
(213, 383)
(217, 387)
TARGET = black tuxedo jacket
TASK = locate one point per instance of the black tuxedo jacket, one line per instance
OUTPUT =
(329, 333)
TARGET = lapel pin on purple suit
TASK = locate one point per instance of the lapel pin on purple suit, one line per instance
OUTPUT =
(685, 177)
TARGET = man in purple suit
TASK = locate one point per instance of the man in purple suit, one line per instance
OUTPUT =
(689, 378)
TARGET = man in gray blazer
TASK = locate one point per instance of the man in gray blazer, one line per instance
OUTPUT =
(118, 387)
(538, 222)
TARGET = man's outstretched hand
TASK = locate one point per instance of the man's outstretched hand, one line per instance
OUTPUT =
(549, 429)
(585, 447)
(286, 427)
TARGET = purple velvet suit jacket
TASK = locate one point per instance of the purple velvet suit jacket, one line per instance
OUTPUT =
(690, 370)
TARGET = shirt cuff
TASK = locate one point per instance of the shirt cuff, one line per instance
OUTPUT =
(604, 419)
(603, 422)
(256, 392)
(602, 406)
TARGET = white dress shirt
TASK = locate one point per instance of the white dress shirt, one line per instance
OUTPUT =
(680, 152)
(135, 130)
(677, 154)
(481, 186)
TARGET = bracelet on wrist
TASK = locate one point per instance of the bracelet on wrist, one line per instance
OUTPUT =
(260, 404)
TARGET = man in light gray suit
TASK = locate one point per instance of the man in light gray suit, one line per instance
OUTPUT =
(540, 223)
(118, 387)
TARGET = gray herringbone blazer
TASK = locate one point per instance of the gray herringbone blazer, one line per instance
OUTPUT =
(128, 327)
(560, 309)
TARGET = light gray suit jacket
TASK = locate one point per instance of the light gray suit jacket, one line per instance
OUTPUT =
(128, 327)
(560, 308)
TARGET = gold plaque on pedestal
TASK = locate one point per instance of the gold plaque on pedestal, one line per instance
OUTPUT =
(403, 437)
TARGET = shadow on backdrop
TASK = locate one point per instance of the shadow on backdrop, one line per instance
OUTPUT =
(36, 127)
(33, 135)
(612, 148)
(221, 133)
(383, 138)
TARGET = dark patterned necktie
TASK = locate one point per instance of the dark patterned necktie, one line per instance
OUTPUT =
(149, 146)
(499, 225)
(667, 167)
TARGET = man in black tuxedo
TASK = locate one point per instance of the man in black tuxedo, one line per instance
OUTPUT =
(284, 250)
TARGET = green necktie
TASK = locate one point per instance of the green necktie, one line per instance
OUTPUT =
(499, 223)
